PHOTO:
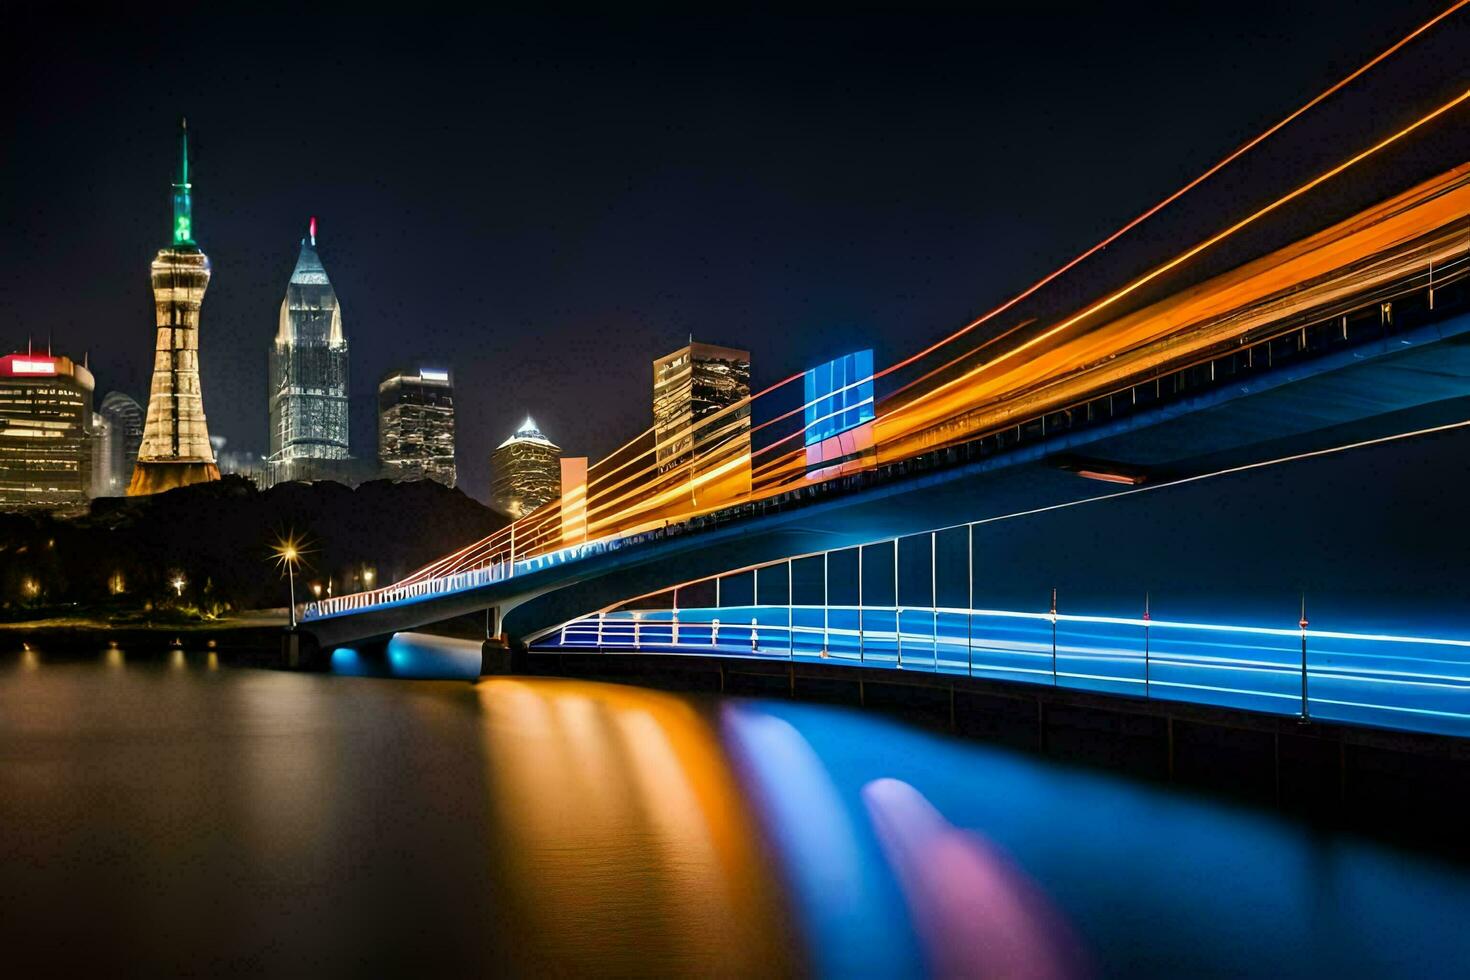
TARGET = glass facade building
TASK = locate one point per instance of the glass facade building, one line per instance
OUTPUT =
(175, 449)
(416, 426)
(691, 384)
(45, 432)
(839, 415)
(125, 419)
(701, 419)
(308, 376)
(525, 471)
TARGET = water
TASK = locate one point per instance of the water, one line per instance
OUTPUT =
(163, 814)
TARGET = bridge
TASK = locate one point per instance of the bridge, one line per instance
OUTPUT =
(847, 525)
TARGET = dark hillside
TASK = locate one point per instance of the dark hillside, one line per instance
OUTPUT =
(218, 537)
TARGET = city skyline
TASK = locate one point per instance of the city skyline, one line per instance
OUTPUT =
(970, 477)
(913, 219)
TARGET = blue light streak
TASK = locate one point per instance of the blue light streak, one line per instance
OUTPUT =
(1388, 680)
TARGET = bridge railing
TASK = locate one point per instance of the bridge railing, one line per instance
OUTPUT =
(1385, 680)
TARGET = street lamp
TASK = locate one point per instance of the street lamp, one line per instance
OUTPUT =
(178, 583)
(316, 589)
(288, 554)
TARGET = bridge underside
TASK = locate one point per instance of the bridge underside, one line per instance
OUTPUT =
(1408, 382)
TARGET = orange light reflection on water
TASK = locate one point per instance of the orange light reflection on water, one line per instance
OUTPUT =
(613, 799)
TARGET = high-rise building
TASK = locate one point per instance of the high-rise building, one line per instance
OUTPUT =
(175, 449)
(99, 451)
(416, 426)
(125, 420)
(701, 416)
(45, 422)
(839, 415)
(308, 376)
(525, 471)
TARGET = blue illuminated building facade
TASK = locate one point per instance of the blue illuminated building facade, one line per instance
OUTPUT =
(839, 414)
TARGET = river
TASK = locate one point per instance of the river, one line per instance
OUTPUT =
(161, 813)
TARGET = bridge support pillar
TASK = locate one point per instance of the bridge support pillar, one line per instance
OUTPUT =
(499, 657)
(300, 651)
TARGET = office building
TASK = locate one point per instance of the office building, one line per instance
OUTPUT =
(525, 471)
(308, 376)
(175, 449)
(839, 416)
(701, 420)
(45, 432)
(416, 426)
(125, 424)
(99, 452)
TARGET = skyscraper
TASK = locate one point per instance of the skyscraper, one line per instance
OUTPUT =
(308, 376)
(692, 389)
(175, 450)
(125, 416)
(99, 454)
(416, 426)
(525, 471)
(45, 444)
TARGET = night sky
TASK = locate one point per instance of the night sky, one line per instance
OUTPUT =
(545, 205)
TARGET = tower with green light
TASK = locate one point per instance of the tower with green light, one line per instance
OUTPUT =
(175, 451)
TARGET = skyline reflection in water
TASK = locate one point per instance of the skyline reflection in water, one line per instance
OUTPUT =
(193, 817)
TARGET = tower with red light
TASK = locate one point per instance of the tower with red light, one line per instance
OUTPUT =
(308, 377)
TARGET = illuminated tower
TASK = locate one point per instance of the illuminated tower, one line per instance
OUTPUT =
(175, 451)
(308, 376)
(525, 471)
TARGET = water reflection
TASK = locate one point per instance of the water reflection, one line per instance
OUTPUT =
(977, 913)
(626, 833)
(201, 818)
(411, 656)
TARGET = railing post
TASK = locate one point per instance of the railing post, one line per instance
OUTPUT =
(862, 646)
(1145, 646)
(897, 609)
(934, 591)
(826, 609)
(1054, 637)
(970, 611)
(790, 616)
(1302, 625)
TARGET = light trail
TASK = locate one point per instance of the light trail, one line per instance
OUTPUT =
(626, 511)
(1224, 162)
(1192, 252)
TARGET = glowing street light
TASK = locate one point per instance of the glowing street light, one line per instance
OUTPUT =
(288, 553)
(316, 589)
(178, 583)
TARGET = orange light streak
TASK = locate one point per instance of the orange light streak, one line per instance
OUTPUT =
(783, 463)
(1225, 161)
(1208, 243)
